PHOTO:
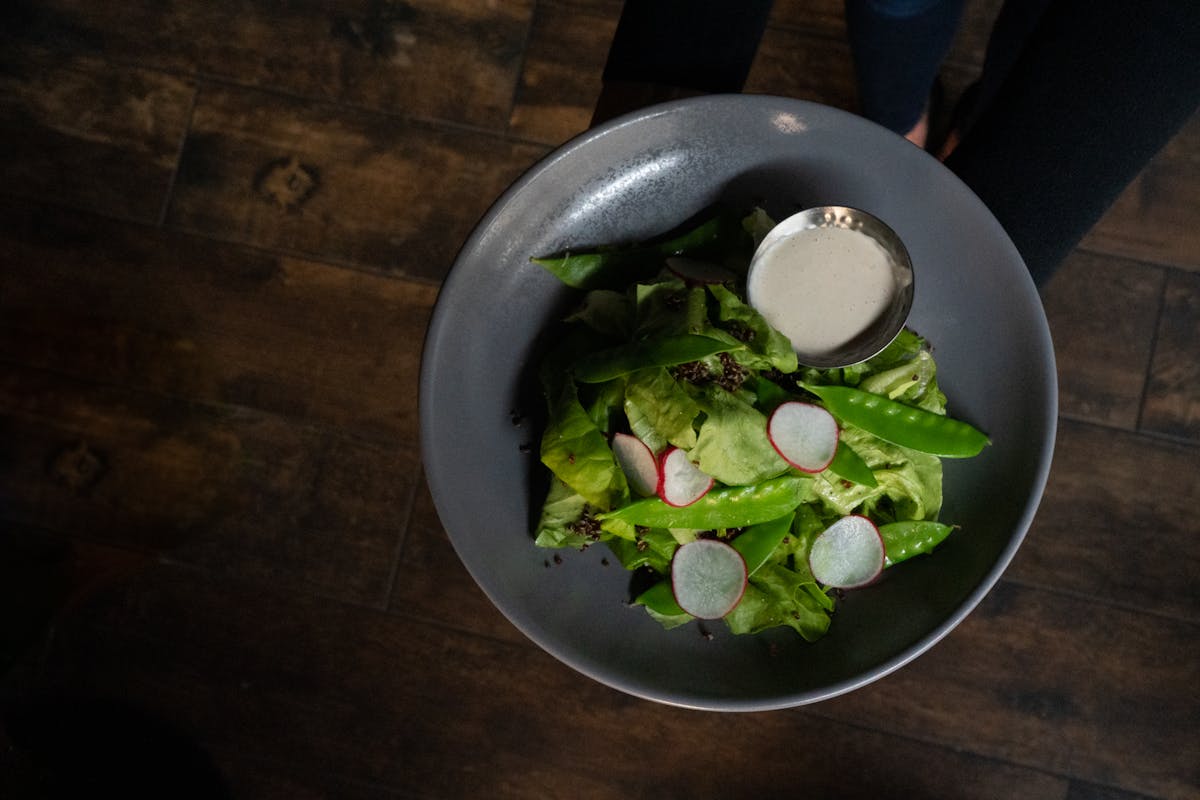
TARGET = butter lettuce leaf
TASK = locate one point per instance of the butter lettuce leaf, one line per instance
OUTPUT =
(562, 508)
(732, 445)
(771, 348)
(660, 410)
(577, 452)
(778, 596)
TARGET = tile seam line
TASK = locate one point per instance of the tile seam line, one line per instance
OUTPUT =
(216, 80)
(319, 428)
(183, 139)
(1155, 335)
(168, 227)
(1067, 777)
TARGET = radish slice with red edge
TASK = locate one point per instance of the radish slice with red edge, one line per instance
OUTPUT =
(708, 578)
(805, 435)
(695, 271)
(680, 482)
(848, 554)
(637, 462)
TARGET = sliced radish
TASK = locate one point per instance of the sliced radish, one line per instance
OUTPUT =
(680, 482)
(847, 554)
(695, 271)
(805, 435)
(708, 578)
(637, 462)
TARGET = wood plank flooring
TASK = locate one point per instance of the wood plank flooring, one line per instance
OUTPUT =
(222, 228)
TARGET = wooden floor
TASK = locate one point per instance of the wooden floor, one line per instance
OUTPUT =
(222, 227)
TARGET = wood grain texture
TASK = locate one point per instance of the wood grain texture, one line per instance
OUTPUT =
(561, 76)
(228, 488)
(1154, 219)
(432, 583)
(1173, 391)
(1103, 312)
(216, 545)
(412, 707)
(327, 182)
(795, 63)
(1057, 682)
(186, 317)
(92, 136)
(1116, 522)
(455, 60)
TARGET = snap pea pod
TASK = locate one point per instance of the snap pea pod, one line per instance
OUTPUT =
(660, 599)
(665, 351)
(619, 266)
(849, 464)
(758, 542)
(727, 507)
(903, 540)
(901, 424)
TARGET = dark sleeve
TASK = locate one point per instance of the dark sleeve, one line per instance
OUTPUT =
(1098, 89)
(703, 45)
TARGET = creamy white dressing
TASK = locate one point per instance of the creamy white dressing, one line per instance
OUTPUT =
(822, 287)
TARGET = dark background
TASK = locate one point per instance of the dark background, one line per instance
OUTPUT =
(222, 227)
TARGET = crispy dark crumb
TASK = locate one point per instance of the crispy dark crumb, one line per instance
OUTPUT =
(740, 331)
(586, 525)
(705, 632)
(546, 563)
(775, 376)
(525, 447)
(557, 558)
(604, 562)
(692, 372)
(733, 374)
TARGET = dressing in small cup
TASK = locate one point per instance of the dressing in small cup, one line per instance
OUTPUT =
(837, 281)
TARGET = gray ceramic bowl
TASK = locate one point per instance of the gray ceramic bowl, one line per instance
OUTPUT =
(643, 174)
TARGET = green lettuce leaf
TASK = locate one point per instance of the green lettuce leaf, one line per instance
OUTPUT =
(659, 410)
(909, 480)
(563, 507)
(732, 446)
(607, 312)
(653, 549)
(577, 451)
(778, 596)
(772, 347)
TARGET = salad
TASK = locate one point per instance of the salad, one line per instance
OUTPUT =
(732, 481)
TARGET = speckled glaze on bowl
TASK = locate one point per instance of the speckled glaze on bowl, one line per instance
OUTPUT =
(644, 174)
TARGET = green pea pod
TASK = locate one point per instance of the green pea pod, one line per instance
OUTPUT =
(619, 266)
(758, 542)
(727, 507)
(901, 424)
(848, 464)
(720, 235)
(660, 599)
(595, 270)
(903, 540)
(665, 351)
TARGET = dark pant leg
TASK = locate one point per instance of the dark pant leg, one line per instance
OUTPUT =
(898, 47)
(706, 45)
(1098, 89)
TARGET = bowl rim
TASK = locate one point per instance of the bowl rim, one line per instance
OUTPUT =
(432, 466)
